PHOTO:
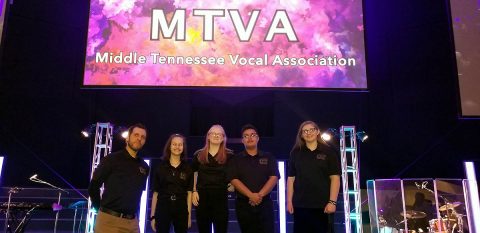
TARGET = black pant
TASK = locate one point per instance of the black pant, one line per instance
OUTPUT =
(212, 209)
(312, 220)
(170, 212)
(255, 219)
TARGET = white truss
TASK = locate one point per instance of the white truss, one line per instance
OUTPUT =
(102, 147)
(350, 179)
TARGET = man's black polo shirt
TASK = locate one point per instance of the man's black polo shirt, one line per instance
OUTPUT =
(168, 180)
(252, 171)
(124, 179)
(312, 171)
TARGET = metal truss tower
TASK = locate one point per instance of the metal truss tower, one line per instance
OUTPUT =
(350, 179)
(102, 147)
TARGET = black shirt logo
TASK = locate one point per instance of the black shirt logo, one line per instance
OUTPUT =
(183, 176)
(321, 156)
(142, 170)
(263, 161)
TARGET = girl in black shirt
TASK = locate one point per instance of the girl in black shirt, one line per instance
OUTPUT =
(172, 188)
(210, 184)
(313, 181)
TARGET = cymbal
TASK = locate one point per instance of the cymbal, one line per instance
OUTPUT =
(449, 206)
(451, 219)
(413, 214)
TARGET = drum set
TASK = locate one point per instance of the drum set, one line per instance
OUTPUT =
(450, 222)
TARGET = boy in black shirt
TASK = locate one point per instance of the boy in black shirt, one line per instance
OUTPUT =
(254, 174)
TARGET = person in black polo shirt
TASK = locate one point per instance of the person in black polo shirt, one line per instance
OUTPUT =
(172, 188)
(124, 177)
(313, 181)
(254, 174)
(210, 184)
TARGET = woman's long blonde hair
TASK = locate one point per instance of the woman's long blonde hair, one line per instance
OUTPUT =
(221, 156)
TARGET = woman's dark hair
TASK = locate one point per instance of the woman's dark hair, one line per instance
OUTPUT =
(167, 152)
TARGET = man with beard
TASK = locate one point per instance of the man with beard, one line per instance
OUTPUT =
(124, 176)
(254, 174)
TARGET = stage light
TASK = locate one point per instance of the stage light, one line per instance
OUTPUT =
(85, 134)
(329, 134)
(362, 136)
(88, 131)
(326, 136)
(118, 130)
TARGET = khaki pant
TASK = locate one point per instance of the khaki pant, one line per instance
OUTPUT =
(106, 223)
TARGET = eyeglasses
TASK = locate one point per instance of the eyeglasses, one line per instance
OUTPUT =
(253, 135)
(307, 131)
(216, 134)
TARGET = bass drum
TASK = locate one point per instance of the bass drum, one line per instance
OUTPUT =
(438, 226)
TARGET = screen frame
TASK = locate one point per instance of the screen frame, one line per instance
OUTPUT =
(4, 29)
(454, 74)
(342, 89)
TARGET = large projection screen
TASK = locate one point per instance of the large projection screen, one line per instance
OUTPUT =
(466, 31)
(217, 43)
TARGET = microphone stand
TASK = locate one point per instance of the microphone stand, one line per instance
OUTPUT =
(424, 186)
(7, 213)
(26, 218)
(60, 190)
